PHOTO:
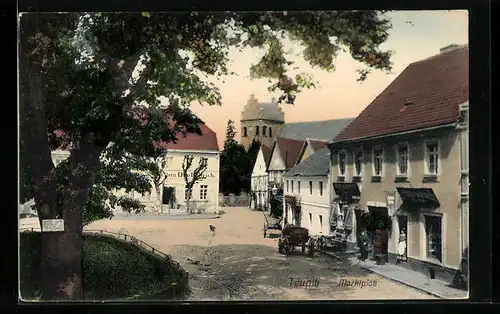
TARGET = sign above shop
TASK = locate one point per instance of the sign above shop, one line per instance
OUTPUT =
(346, 189)
(423, 197)
(180, 174)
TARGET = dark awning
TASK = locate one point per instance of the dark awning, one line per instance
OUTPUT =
(423, 197)
(346, 189)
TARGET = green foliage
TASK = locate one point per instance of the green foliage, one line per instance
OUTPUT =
(112, 268)
(87, 61)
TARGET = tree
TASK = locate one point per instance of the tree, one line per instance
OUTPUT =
(100, 79)
(191, 178)
(233, 163)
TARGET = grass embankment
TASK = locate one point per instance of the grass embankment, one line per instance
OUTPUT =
(112, 269)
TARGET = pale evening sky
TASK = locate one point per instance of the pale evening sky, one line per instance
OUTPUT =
(338, 95)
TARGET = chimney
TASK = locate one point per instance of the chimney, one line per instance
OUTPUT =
(449, 48)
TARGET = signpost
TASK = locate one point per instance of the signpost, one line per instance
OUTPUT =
(52, 225)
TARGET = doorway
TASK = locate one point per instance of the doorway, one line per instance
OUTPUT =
(403, 238)
(379, 224)
(168, 197)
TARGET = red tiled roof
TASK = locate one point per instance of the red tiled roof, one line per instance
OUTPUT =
(317, 145)
(289, 150)
(206, 141)
(266, 152)
(432, 88)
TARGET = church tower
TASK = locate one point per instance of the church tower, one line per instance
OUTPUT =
(261, 121)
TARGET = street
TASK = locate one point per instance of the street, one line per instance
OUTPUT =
(238, 263)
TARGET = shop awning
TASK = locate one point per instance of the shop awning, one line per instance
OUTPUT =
(421, 197)
(346, 189)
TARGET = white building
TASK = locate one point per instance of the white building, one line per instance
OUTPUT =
(173, 194)
(309, 184)
(259, 179)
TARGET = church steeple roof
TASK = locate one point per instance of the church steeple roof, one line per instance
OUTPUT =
(255, 110)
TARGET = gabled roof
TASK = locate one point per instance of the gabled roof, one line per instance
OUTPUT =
(316, 165)
(314, 144)
(426, 94)
(319, 130)
(288, 149)
(207, 140)
(266, 153)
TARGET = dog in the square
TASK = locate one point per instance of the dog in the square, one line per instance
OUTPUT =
(212, 229)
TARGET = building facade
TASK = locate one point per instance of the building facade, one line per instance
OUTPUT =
(173, 195)
(411, 164)
(260, 121)
(259, 180)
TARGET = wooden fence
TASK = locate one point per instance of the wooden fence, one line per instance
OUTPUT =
(176, 290)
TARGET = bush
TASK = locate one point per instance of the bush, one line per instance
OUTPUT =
(112, 269)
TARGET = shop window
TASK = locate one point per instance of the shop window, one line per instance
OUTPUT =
(320, 187)
(433, 238)
(203, 192)
(310, 188)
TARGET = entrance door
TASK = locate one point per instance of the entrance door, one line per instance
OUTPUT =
(403, 237)
(379, 232)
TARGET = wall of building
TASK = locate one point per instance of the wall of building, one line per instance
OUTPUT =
(313, 203)
(259, 181)
(446, 188)
(176, 180)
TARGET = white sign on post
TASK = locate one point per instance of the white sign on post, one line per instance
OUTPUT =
(52, 225)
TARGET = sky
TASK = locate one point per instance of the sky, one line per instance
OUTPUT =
(415, 35)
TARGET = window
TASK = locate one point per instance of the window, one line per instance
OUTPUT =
(264, 129)
(245, 132)
(287, 185)
(378, 161)
(270, 132)
(186, 196)
(292, 186)
(168, 161)
(204, 161)
(433, 237)
(257, 130)
(310, 188)
(320, 187)
(358, 163)
(432, 158)
(342, 163)
(298, 186)
(310, 219)
(203, 192)
(403, 159)
(320, 222)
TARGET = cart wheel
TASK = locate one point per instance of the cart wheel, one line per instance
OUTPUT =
(264, 230)
(286, 245)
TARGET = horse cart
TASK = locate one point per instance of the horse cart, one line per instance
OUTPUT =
(293, 236)
(271, 224)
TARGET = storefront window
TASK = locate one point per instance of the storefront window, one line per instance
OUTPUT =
(433, 235)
